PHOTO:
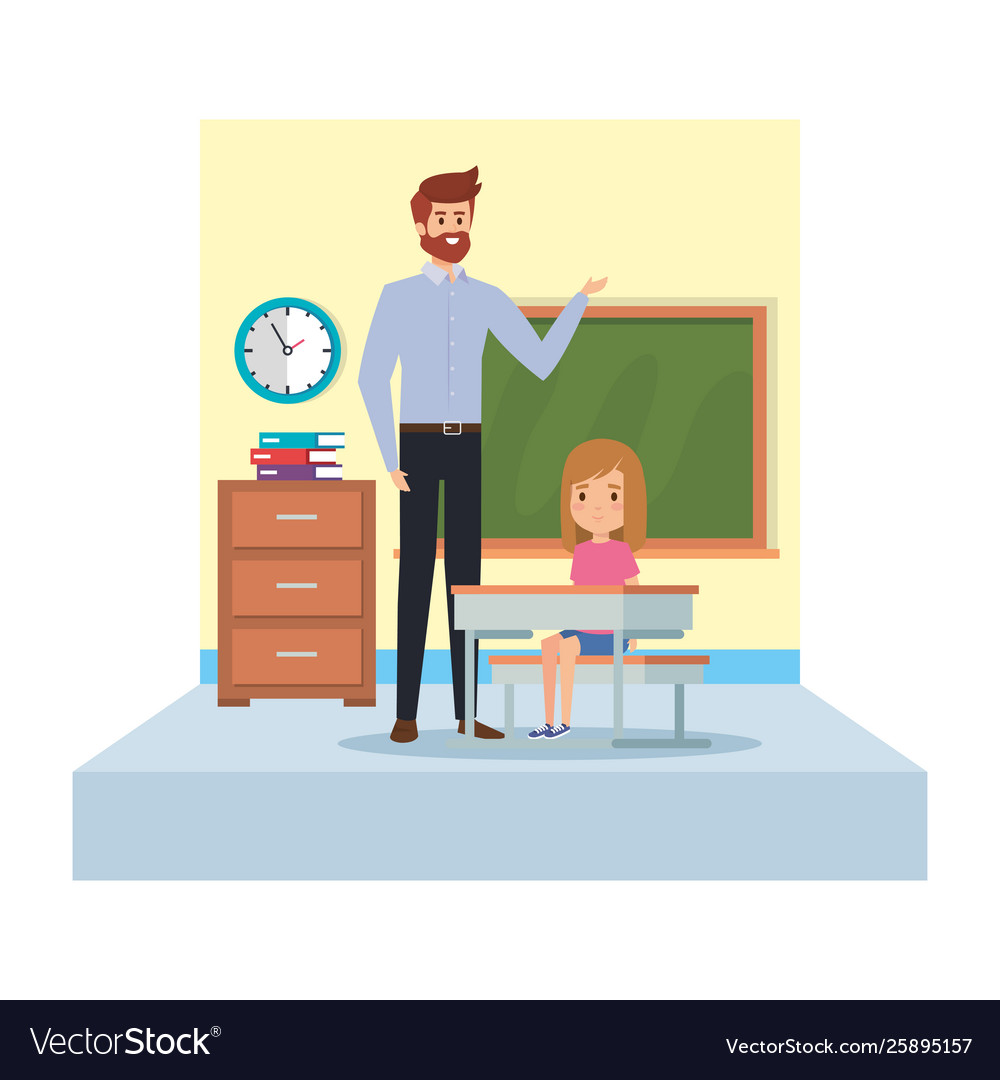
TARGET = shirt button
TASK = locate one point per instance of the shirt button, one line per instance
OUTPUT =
(453, 343)
(453, 393)
(453, 369)
(453, 318)
(452, 294)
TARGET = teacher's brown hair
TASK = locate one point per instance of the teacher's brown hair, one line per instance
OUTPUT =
(446, 188)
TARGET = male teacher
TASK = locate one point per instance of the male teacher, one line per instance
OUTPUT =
(436, 324)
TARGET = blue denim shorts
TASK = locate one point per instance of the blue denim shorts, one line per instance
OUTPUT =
(594, 644)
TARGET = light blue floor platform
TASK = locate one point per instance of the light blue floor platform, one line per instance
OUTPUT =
(790, 789)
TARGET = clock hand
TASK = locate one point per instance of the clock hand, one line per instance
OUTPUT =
(280, 338)
(297, 344)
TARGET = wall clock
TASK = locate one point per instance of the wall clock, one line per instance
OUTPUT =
(287, 350)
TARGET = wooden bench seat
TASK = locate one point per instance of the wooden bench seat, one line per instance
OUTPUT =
(510, 671)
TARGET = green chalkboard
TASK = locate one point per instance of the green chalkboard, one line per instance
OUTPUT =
(679, 391)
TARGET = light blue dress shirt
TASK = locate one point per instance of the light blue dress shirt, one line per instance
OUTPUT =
(437, 328)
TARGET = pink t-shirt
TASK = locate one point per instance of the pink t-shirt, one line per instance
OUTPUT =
(609, 563)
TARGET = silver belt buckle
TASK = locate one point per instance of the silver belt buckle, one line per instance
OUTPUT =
(456, 424)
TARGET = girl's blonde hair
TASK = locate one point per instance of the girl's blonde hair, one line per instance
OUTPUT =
(595, 458)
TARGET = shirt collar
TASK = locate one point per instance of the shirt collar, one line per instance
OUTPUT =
(437, 275)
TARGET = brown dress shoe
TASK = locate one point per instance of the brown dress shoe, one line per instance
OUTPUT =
(404, 731)
(482, 731)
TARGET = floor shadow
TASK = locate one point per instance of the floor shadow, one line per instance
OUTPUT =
(433, 744)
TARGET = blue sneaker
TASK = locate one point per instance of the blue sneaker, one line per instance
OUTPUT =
(539, 732)
(557, 731)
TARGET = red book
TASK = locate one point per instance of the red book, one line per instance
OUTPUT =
(304, 456)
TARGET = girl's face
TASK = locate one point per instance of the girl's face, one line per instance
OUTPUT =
(597, 504)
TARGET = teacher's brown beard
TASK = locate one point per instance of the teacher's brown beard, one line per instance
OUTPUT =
(439, 248)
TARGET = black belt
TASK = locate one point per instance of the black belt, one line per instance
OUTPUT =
(448, 427)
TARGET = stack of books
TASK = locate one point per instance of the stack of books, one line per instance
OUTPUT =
(298, 455)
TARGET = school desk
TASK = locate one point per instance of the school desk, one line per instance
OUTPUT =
(514, 611)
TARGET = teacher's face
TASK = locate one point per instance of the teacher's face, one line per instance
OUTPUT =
(446, 234)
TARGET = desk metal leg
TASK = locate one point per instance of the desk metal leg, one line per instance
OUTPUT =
(470, 686)
(472, 638)
(618, 683)
(679, 741)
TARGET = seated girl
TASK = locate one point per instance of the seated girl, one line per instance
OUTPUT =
(603, 513)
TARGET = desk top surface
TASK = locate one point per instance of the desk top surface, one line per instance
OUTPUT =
(573, 590)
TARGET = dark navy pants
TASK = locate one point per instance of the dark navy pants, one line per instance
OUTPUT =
(430, 458)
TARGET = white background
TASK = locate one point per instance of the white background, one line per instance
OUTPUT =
(99, 437)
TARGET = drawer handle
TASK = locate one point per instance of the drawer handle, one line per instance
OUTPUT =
(296, 654)
(296, 517)
(296, 584)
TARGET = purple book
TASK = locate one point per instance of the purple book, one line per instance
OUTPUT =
(300, 472)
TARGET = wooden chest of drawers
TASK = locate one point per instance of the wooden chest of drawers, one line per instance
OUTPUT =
(297, 590)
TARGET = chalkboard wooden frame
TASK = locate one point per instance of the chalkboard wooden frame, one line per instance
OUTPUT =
(752, 546)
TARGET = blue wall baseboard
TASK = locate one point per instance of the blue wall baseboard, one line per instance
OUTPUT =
(727, 665)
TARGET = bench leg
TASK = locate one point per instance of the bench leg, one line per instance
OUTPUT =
(508, 710)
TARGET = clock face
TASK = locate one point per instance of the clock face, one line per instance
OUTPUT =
(287, 350)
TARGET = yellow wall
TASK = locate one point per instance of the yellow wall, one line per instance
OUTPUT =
(668, 210)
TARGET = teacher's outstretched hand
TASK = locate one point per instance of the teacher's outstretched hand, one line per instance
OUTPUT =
(593, 286)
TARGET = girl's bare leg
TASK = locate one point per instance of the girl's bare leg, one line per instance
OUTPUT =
(550, 657)
(567, 657)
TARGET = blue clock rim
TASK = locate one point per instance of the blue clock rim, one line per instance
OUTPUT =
(244, 331)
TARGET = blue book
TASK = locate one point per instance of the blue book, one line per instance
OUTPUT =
(299, 440)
